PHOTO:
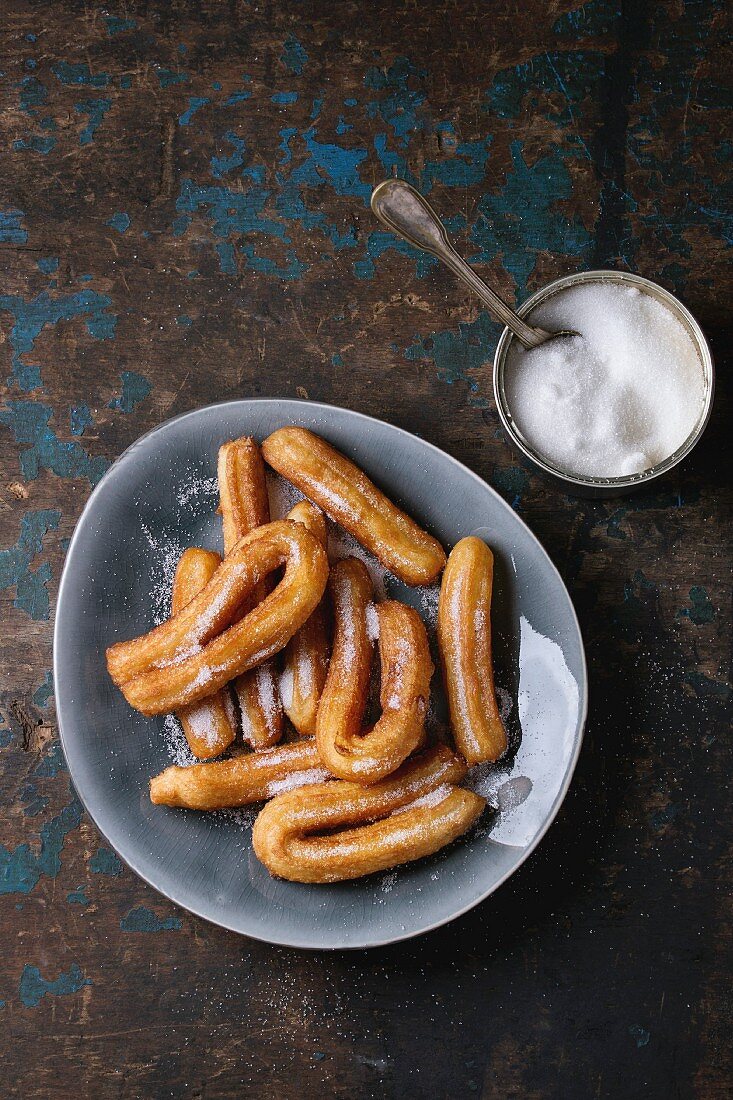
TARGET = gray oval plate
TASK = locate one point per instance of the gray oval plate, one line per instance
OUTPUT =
(159, 497)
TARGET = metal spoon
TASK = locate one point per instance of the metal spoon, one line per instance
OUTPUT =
(402, 209)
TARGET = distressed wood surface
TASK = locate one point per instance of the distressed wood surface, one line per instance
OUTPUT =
(183, 219)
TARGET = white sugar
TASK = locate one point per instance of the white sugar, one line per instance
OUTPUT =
(283, 496)
(163, 563)
(372, 622)
(343, 545)
(297, 779)
(201, 723)
(176, 742)
(286, 687)
(615, 400)
(429, 599)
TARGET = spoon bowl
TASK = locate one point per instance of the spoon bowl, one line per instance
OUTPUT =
(604, 486)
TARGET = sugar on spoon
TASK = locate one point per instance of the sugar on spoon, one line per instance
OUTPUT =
(402, 209)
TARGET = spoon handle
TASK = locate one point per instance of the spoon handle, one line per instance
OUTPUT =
(402, 209)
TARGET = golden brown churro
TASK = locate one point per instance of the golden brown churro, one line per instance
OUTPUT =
(347, 495)
(243, 499)
(366, 757)
(197, 651)
(244, 506)
(464, 637)
(209, 725)
(306, 654)
(237, 782)
(412, 814)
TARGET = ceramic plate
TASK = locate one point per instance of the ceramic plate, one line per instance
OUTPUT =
(160, 497)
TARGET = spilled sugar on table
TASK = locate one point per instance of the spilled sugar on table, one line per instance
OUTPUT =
(183, 219)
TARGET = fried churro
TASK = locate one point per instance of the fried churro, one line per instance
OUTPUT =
(244, 506)
(306, 655)
(464, 637)
(198, 651)
(209, 725)
(406, 669)
(331, 832)
(347, 495)
(251, 777)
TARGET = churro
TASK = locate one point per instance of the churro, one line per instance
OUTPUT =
(209, 725)
(244, 506)
(347, 495)
(464, 637)
(198, 651)
(305, 660)
(413, 813)
(406, 669)
(251, 777)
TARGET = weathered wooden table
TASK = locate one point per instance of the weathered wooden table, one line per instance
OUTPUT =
(183, 219)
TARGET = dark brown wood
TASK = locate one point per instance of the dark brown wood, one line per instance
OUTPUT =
(184, 219)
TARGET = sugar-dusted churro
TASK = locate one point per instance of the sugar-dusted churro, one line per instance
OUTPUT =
(305, 660)
(335, 831)
(251, 777)
(406, 668)
(464, 637)
(347, 495)
(209, 725)
(198, 651)
(244, 506)
(243, 499)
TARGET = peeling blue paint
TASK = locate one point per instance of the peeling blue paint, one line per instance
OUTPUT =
(523, 217)
(48, 264)
(79, 74)
(195, 103)
(458, 356)
(640, 1034)
(142, 919)
(52, 763)
(399, 109)
(21, 869)
(512, 482)
(105, 862)
(294, 56)
(184, 319)
(33, 802)
(707, 688)
(28, 421)
(221, 165)
(12, 230)
(37, 143)
(80, 417)
(78, 897)
(33, 987)
(665, 816)
(169, 77)
(702, 610)
(119, 221)
(227, 259)
(43, 693)
(118, 25)
(240, 95)
(30, 317)
(135, 388)
(284, 99)
(31, 591)
(180, 225)
(33, 94)
(96, 109)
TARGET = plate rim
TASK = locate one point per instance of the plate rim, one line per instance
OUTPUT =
(291, 941)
